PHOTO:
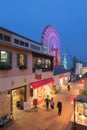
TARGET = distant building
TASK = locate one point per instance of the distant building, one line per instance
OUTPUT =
(61, 76)
(65, 62)
(79, 67)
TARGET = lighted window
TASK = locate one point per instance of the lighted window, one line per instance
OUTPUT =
(5, 60)
(39, 61)
(4, 57)
(48, 63)
(22, 61)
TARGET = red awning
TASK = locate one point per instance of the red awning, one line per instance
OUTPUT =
(41, 83)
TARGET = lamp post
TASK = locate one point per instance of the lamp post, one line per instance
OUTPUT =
(74, 117)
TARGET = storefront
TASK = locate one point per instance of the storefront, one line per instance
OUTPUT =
(18, 97)
(64, 78)
(40, 89)
(61, 76)
(81, 109)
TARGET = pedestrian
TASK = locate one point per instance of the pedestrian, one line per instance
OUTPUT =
(52, 103)
(47, 102)
(59, 106)
(68, 87)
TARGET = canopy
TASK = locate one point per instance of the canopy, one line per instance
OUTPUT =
(81, 98)
(41, 83)
(85, 75)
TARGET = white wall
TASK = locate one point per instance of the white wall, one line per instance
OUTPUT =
(78, 68)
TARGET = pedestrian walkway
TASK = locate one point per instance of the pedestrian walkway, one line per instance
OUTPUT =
(42, 119)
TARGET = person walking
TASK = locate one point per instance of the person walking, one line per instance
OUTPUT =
(59, 106)
(52, 103)
(68, 87)
(47, 102)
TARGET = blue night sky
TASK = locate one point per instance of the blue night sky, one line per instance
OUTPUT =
(30, 17)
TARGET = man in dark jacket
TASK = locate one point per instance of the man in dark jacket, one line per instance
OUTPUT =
(47, 102)
(59, 106)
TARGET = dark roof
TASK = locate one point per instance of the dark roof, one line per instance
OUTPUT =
(84, 75)
(60, 70)
(81, 98)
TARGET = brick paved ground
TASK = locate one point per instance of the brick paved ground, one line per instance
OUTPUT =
(47, 120)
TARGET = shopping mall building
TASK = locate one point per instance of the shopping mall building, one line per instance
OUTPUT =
(26, 73)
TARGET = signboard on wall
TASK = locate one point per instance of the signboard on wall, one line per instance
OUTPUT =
(26, 106)
(38, 74)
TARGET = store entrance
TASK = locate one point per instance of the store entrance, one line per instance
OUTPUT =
(18, 99)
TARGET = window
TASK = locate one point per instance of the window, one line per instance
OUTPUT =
(6, 38)
(35, 47)
(16, 41)
(1, 36)
(5, 60)
(22, 61)
(48, 63)
(45, 64)
(21, 43)
(26, 44)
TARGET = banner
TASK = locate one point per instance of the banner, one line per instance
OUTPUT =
(38, 74)
(26, 105)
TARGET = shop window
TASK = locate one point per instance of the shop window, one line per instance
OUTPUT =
(80, 109)
(5, 60)
(48, 64)
(22, 61)
(42, 63)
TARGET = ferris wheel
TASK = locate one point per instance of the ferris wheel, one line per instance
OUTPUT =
(51, 43)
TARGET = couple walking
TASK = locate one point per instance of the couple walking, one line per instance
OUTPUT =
(51, 102)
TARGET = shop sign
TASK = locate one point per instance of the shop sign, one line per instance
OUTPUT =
(38, 74)
(26, 105)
